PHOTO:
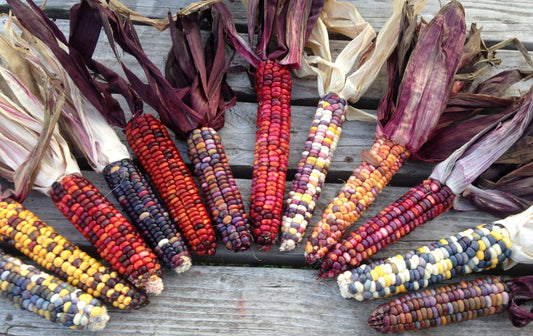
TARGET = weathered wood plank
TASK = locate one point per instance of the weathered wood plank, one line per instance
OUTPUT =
(245, 301)
(500, 20)
(157, 44)
(441, 227)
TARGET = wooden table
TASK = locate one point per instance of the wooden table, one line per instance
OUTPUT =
(275, 293)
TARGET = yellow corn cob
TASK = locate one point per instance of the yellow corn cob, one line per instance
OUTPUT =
(20, 228)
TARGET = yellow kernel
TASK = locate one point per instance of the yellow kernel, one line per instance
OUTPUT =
(96, 311)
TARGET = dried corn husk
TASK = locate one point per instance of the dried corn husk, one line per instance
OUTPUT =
(30, 59)
(358, 64)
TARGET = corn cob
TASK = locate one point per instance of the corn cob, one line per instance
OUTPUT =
(462, 301)
(88, 130)
(311, 172)
(108, 231)
(29, 289)
(474, 250)
(435, 195)
(147, 213)
(361, 189)
(158, 154)
(406, 115)
(218, 184)
(22, 229)
(197, 65)
(292, 22)
(421, 203)
(271, 154)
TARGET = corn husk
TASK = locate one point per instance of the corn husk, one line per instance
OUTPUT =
(409, 111)
(520, 227)
(33, 154)
(81, 123)
(282, 28)
(354, 69)
(198, 66)
(463, 166)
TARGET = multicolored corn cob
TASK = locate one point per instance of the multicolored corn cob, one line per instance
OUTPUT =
(220, 189)
(147, 213)
(462, 301)
(158, 154)
(272, 59)
(407, 114)
(311, 172)
(364, 185)
(115, 239)
(421, 203)
(474, 250)
(435, 195)
(20, 228)
(29, 289)
(271, 154)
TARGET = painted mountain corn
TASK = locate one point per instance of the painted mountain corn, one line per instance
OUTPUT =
(43, 294)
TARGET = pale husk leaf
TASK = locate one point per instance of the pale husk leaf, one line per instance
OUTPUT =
(344, 75)
(520, 227)
(80, 121)
(20, 136)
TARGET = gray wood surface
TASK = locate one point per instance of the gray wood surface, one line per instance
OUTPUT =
(275, 293)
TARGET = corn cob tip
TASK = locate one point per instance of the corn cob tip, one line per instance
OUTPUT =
(185, 264)
(154, 285)
(98, 319)
(287, 245)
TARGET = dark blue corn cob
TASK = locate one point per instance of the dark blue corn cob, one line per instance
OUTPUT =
(220, 190)
(28, 288)
(147, 213)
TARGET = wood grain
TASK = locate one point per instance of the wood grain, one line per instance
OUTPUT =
(276, 293)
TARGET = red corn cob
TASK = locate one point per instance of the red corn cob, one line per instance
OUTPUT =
(115, 239)
(292, 22)
(420, 204)
(158, 154)
(216, 179)
(273, 87)
(312, 169)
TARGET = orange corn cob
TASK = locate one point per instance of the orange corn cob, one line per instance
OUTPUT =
(115, 239)
(223, 197)
(420, 204)
(355, 196)
(273, 88)
(159, 156)
(311, 172)
(20, 228)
